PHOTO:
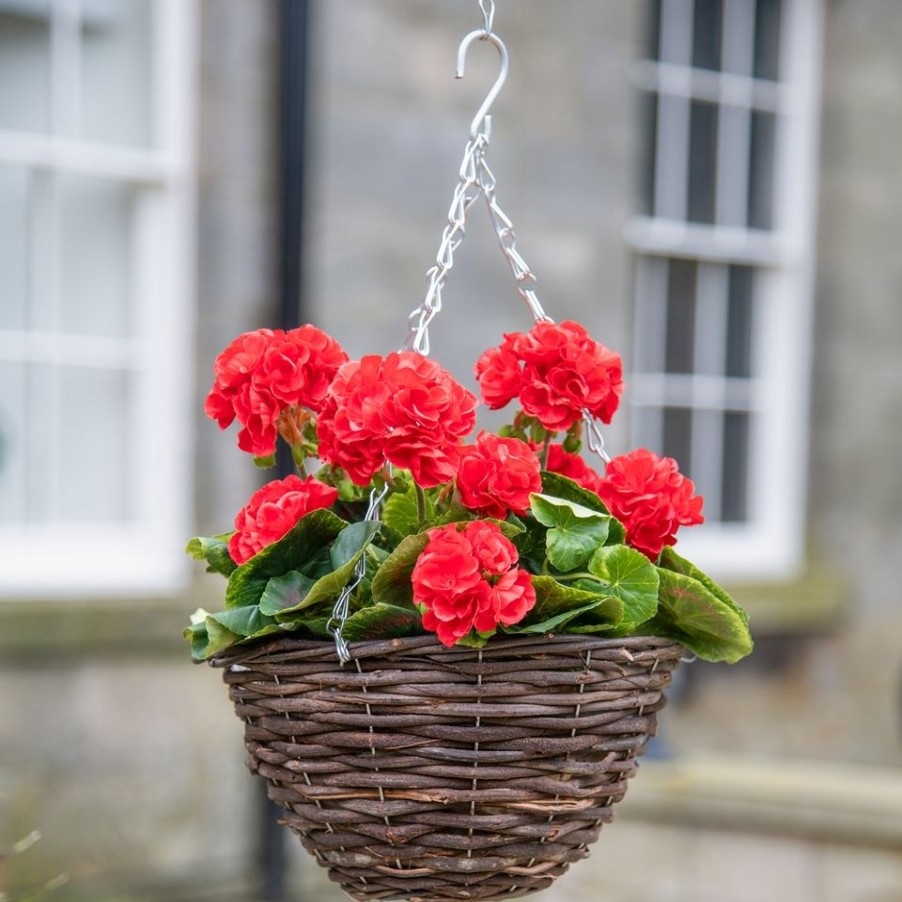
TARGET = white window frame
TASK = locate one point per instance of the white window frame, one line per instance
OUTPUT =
(145, 556)
(771, 544)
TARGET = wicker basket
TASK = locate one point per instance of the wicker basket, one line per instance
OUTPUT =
(422, 772)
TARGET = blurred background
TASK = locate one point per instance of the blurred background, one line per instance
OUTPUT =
(712, 186)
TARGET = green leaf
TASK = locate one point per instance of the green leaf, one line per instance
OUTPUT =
(391, 584)
(670, 560)
(293, 551)
(215, 551)
(694, 616)
(575, 531)
(630, 576)
(382, 621)
(617, 533)
(208, 637)
(212, 633)
(264, 463)
(345, 555)
(474, 639)
(284, 592)
(400, 512)
(557, 605)
(247, 622)
(563, 487)
(351, 542)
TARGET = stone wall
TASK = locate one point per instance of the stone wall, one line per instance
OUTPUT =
(391, 123)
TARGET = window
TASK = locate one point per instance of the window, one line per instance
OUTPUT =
(724, 256)
(96, 257)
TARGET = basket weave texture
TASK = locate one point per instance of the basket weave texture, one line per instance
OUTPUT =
(429, 773)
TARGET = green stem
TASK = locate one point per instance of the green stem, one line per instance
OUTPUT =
(543, 457)
(298, 455)
(421, 507)
(568, 576)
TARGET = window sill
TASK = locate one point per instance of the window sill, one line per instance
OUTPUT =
(813, 603)
(148, 626)
(812, 800)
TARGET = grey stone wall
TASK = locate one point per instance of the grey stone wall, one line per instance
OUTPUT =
(856, 492)
(389, 127)
(238, 222)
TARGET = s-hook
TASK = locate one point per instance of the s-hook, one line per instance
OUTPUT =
(482, 122)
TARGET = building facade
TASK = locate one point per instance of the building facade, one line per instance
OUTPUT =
(711, 186)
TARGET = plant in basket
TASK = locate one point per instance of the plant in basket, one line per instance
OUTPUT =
(449, 647)
(513, 614)
(479, 537)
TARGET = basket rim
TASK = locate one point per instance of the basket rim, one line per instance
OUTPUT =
(429, 644)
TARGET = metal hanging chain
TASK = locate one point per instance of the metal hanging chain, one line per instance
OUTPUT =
(475, 179)
(504, 229)
(464, 198)
(342, 606)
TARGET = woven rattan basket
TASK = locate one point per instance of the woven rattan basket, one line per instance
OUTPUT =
(422, 772)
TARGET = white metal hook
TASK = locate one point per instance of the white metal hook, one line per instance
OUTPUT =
(482, 114)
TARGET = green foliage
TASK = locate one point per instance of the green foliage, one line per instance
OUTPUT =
(391, 585)
(628, 575)
(575, 532)
(215, 551)
(586, 579)
(691, 614)
(297, 548)
(558, 605)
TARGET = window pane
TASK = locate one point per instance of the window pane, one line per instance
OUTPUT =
(677, 439)
(116, 73)
(680, 335)
(94, 419)
(739, 323)
(702, 161)
(761, 170)
(734, 488)
(706, 34)
(767, 39)
(647, 428)
(13, 443)
(13, 247)
(25, 66)
(653, 31)
(650, 135)
(94, 256)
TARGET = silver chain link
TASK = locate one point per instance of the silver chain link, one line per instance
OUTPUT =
(452, 237)
(340, 611)
(475, 179)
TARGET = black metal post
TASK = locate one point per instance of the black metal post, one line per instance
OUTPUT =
(294, 24)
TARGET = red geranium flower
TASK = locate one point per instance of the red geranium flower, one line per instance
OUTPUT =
(497, 475)
(466, 579)
(273, 511)
(267, 379)
(557, 371)
(404, 409)
(499, 374)
(652, 499)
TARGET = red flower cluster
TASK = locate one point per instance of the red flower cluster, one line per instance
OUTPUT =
(573, 467)
(652, 499)
(556, 370)
(497, 475)
(264, 378)
(273, 511)
(404, 409)
(466, 579)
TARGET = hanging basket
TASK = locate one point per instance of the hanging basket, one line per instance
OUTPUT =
(430, 773)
